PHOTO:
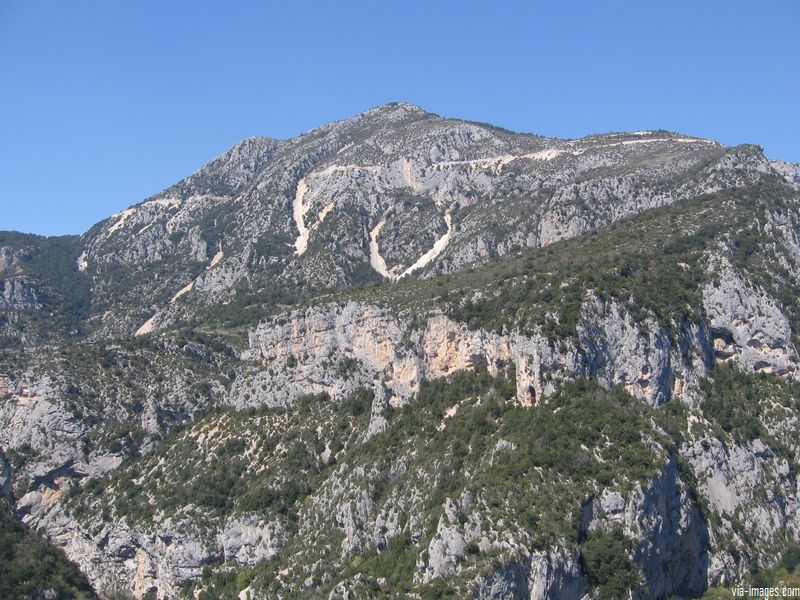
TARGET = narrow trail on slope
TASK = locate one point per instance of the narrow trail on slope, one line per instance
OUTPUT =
(147, 326)
(500, 161)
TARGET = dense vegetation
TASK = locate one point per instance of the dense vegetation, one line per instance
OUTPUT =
(609, 569)
(50, 266)
(29, 565)
(740, 404)
(549, 459)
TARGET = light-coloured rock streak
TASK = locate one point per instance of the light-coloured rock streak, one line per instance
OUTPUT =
(379, 263)
(147, 326)
(123, 216)
(437, 249)
(185, 289)
(83, 263)
(375, 259)
(408, 177)
(217, 257)
(328, 208)
(500, 161)
(300, 210)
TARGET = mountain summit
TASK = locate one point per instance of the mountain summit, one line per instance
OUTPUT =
(391, 193)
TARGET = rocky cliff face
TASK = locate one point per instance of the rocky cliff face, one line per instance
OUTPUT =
(402, 355)
(610, 348)
(613, 349)
(748, 325)
(789, 171)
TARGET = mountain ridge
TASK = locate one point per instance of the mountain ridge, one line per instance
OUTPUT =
(202, 242)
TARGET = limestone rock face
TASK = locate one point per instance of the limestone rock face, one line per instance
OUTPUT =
(508, 582)
(732, 478)
(449, 545)
(789, 171)
(668, 531)
(11, 256)
(613, 350)
(554, 576)
(19, 294)
(641, 356)
(164, 556)
(33, 419)
(248, 540)
(747, 325)
(381, 342)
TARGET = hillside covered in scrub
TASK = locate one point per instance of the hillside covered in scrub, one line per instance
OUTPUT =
(402, 356)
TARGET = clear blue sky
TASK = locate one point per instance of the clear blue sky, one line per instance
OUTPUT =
(103, 103)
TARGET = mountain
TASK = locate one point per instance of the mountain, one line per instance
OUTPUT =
(408, 356)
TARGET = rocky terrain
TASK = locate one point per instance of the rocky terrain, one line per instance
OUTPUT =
(406, 356)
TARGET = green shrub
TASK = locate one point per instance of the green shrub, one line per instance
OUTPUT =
(29, 564)
(607, 566)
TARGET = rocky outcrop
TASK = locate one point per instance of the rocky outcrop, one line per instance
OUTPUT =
(669, 535)
(669, 546)
(748, 326)
(19, 294)
(789, 171)
(248, 539)
(553, 575)
(449, 543)
(63, 423)
(611, 348)
(381, 342)
(508, 583)
(744, 484)
(36, 422)
(164, 555)
(11, 256)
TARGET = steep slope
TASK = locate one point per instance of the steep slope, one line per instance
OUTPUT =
(43, 296)
(394, 191)
(635, 308)
(32, 568)
(406, 356)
